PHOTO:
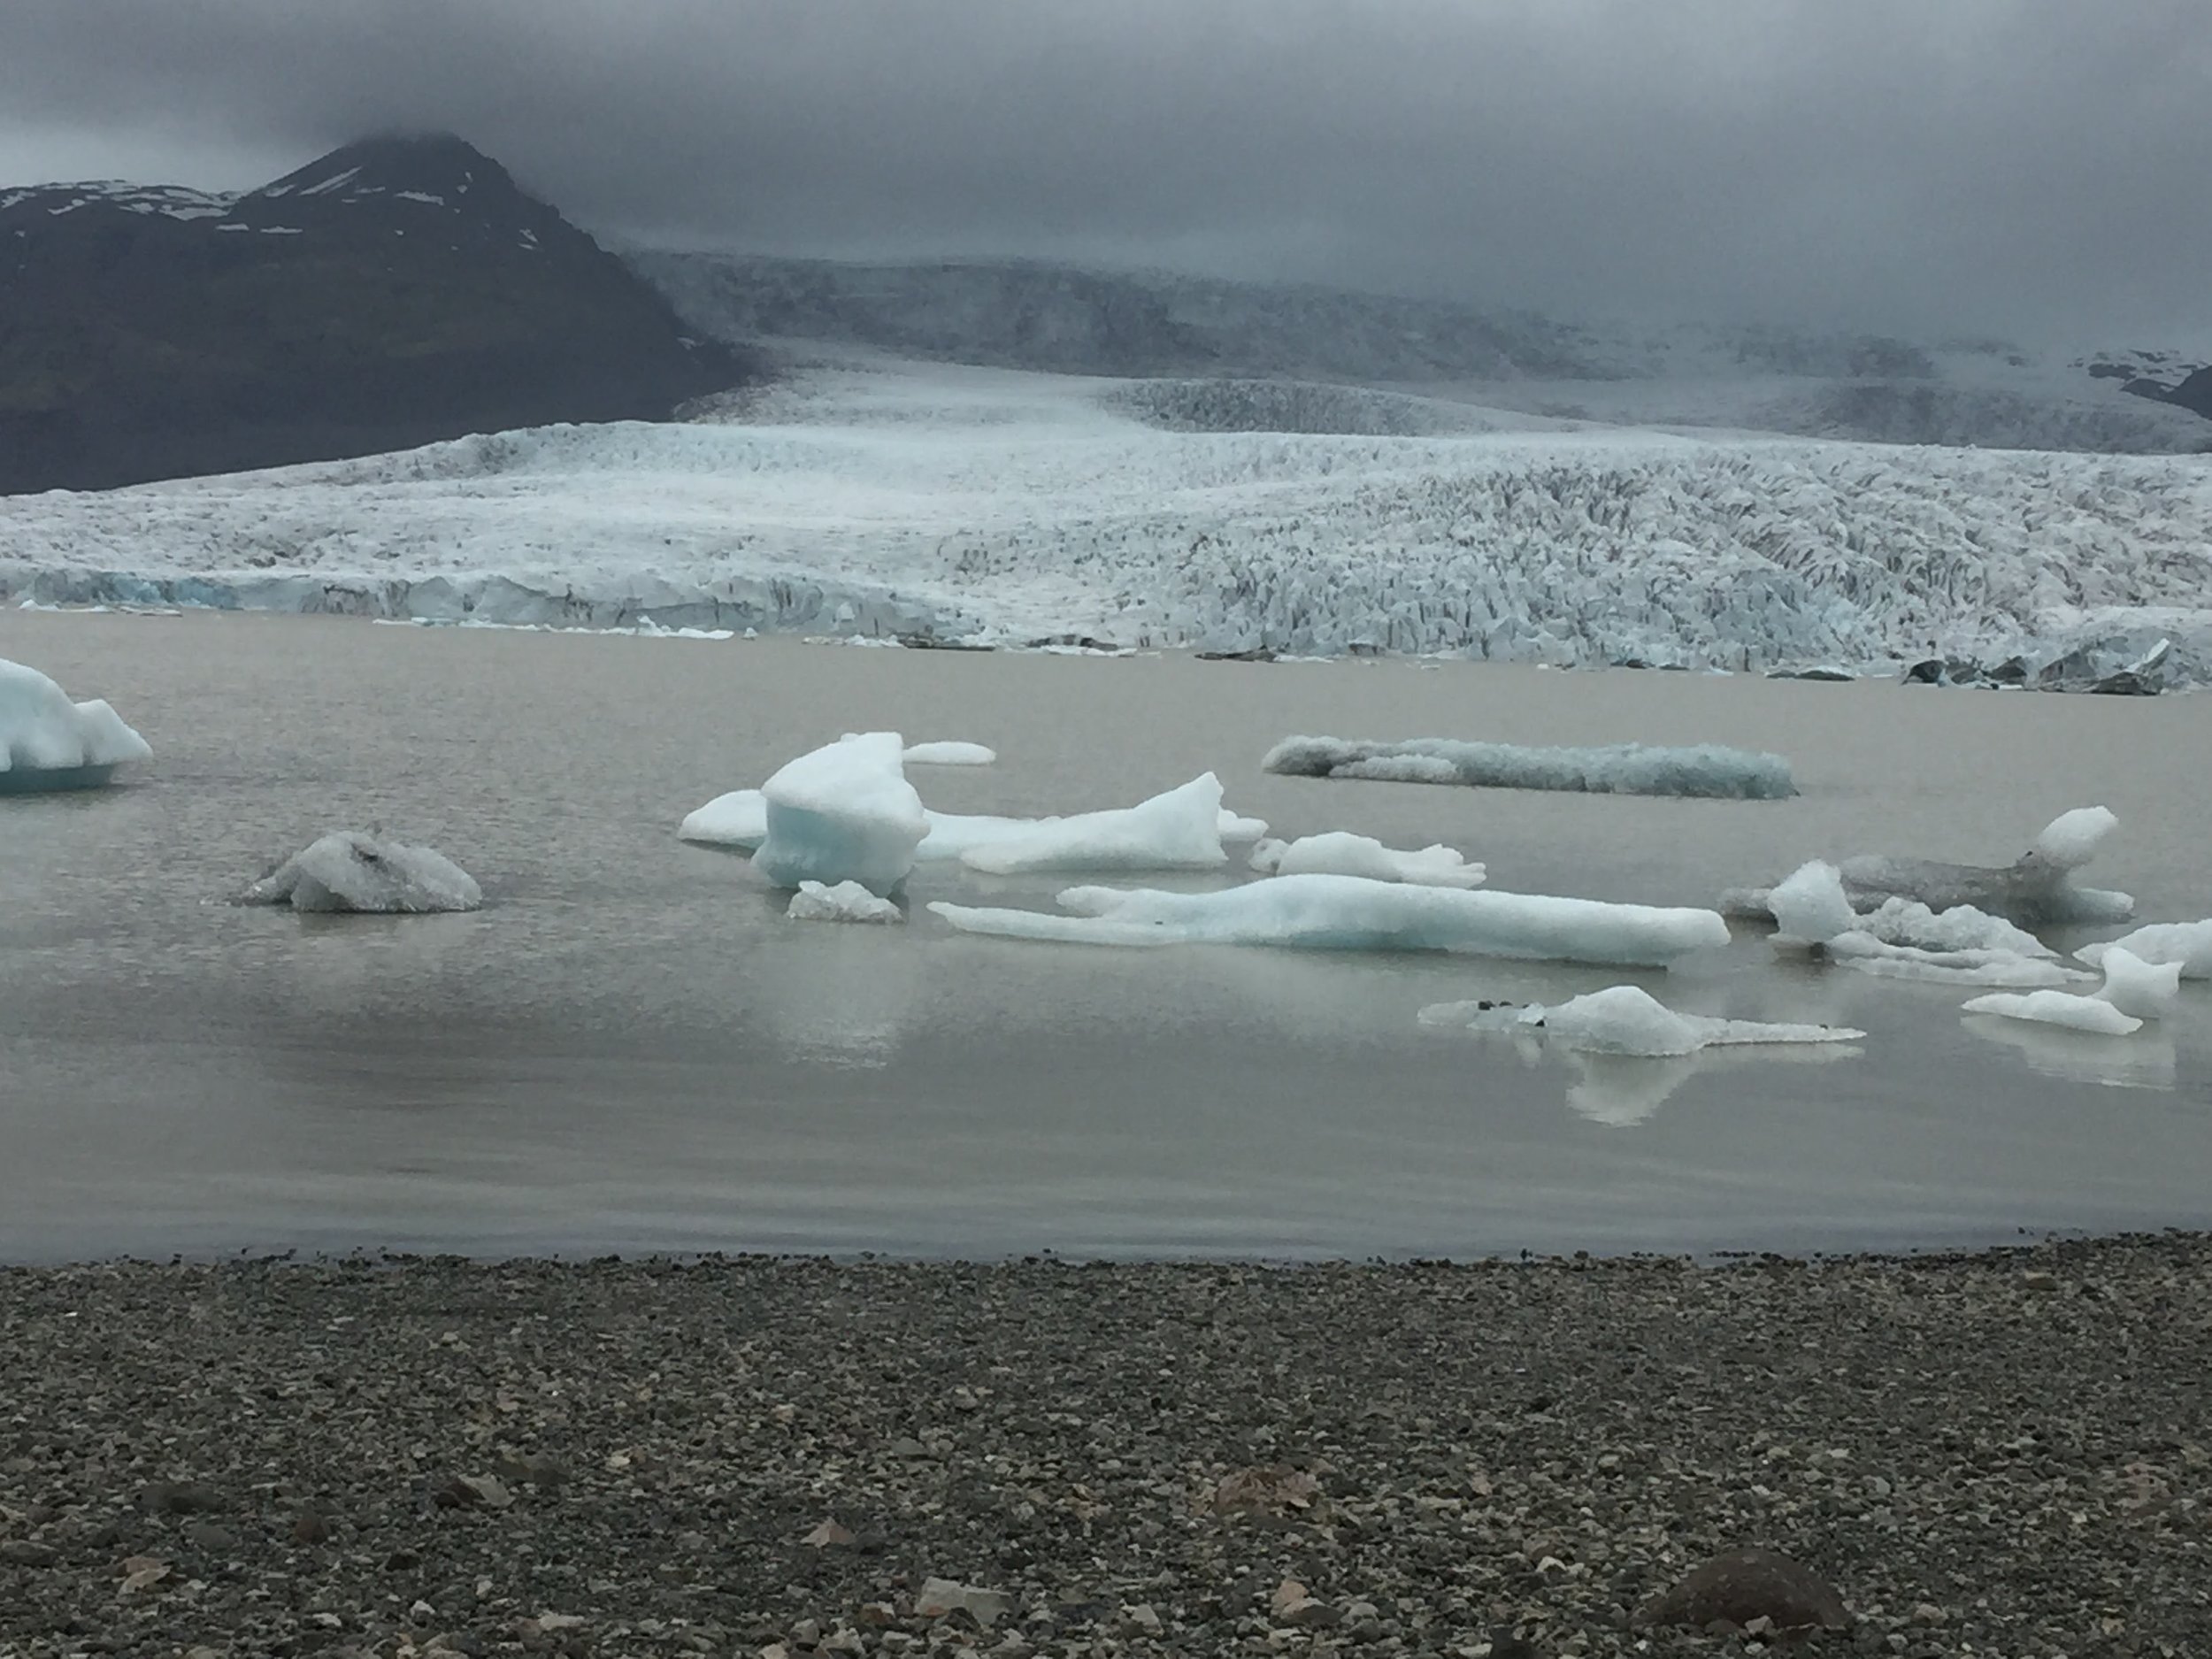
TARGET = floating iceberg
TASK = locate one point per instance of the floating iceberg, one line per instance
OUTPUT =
(48, 742)
(1177, 830)
(950, 754)
(1333, 912)
(738, 819)
(2187, 944)
(1624, 1020)
(2037, 886)
(1905, 939)
(2144, 989)
(2057, 1008)
(1341, 853)
(1704, 770)
(351, 871)
(846, 901)
(843, 812)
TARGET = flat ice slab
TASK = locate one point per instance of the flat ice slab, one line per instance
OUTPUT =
(1333, 912)
(1180, 829)
(1625, 1019)
(2057, 1008)
(2187, 944)
(1703, 770)
(1339, 852)
(349, 871)
(48, 742)
(950, 754)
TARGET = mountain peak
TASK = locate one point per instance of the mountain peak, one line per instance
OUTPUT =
(409, 166)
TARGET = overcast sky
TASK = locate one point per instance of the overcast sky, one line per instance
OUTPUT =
(2031, 166)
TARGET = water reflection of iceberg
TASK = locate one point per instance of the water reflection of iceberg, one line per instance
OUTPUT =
(1622, 1091)
(2144, 1060)
(839, 1000)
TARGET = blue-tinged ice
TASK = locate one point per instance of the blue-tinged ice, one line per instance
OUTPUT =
(1334, 912)
(843, 812)
(738, 819)
(1706, 770)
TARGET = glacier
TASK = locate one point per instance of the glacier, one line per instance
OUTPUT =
(1702, 769)
(364, 874)
(843, 812)
(1337, 913)
(48, 742)
(1339, 852)
(885, 499)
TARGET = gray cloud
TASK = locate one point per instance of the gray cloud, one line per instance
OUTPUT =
(2026, 166)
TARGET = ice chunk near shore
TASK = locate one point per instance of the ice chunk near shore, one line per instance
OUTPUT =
(2188, 945)
(2058, 1007)
(48, 742)
(950, 754)
(846, 901)
(738, 819)
(362, 874)
(843, 812)
(1334, 912)
(1339, 852)
(1705, 769)
(1625, 1019)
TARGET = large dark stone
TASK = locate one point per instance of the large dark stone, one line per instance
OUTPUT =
(1744, 1585)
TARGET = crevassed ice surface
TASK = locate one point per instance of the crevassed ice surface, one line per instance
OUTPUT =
(1015, 505)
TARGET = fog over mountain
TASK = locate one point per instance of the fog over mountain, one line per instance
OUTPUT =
(2028, 168)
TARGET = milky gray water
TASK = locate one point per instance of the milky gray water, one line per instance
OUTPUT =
(630, 1048)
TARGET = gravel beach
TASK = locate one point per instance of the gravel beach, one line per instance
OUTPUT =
(2003, 1454)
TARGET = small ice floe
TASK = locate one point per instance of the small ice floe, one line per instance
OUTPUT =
(1705, 769)
(1334, 912)
(2037, 886)
(2134, 992)
(48, 742)
(1181, 829)
(2187, 945)
(1625, 1019)
(1339, 852)
(846, 901)
(950, 754)
(738, 819)
(349, 872)
(843, 812)
(1905, 939)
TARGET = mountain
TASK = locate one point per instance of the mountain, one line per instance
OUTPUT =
(397, 291)
(1143, 324)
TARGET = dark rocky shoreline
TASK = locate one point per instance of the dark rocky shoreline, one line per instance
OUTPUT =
(1997, 1454)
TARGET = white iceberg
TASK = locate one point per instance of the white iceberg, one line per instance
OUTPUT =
(2145, 989)
(738, 819)
(950, 754)
(846, 901)
(1331, 912)
(349, 872)
(1237, 830)
(2058, 1007)
(1702, 769)
(2188, 945)
(1177, 830)
(1905, 939)
(1339, 852)
(48, 742)
(843, 812)
(1625, 1019)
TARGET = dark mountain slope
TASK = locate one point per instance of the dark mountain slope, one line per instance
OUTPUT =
(397, 291)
